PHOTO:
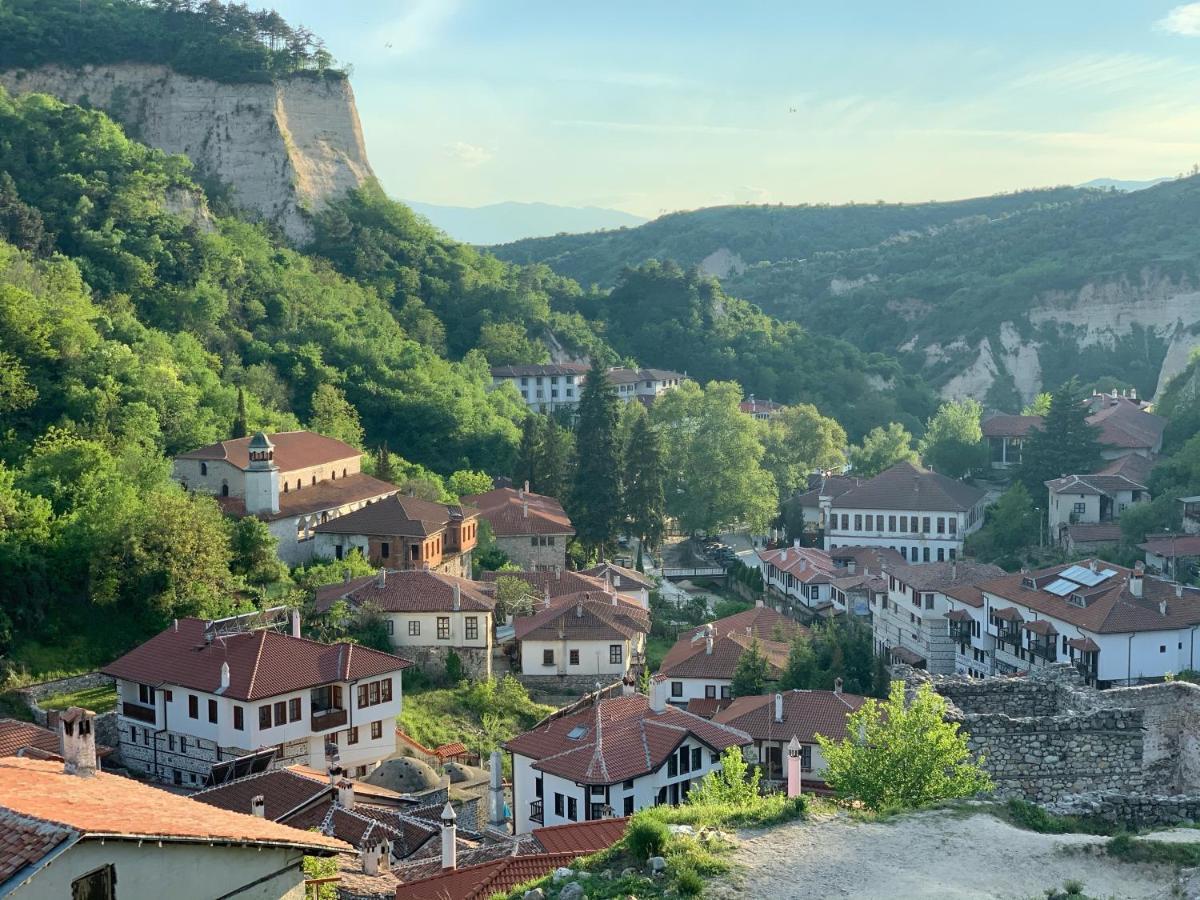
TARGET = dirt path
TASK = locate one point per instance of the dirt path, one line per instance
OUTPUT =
(941, 855)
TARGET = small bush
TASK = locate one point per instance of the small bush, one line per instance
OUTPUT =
(1032, 817)
(688, 883)
(454, 668)
(1126, 849)
(646, 837)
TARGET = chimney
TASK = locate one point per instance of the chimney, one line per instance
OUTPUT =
(708, 644)
(296, 622)
(614, 599)
(77, 741)
(376, 858)
(1136, 579)
(1092, 565)
(953, 569)
(783, 555)
(345, 797)
(796, 543)
(852, 566)
(175, 624)
(778, 707)
(658, 699)
(496, 816)
(449, 838)
(457, 596)
(346, 575)
(258, 806)
(546, 601)
(558, 573)
(525, 510)
(579, 609)
(1133, 393)
(1162, 608)
(332, 761)
(793, 769)
(381, 579)
(628, 686)
(759, 601)
(837, 685)
(1178, 590)
(616, 579)
(224, 678)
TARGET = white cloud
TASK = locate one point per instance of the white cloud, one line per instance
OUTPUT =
(417, 26)
(1183, 19)
(470, 155)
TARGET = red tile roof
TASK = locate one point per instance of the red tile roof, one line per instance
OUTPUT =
(283, 792)
(552, 584)
(410, 590)
(25, 840)
(1093, 484)
(398, 515)
(293, 450)
(807, 565)
(1125, 425)
(536, 369)
(1172, 545)
(908, 487)
(261, 663)
(688, 657)
(485, 879)
(805, 714)
(512, 512)
(706, 707)
(15, 735)
(616, 739)
(581, 837)
(110, 805)
(1095, 533)
(622, 578)
(1010, 426)
(590, 615)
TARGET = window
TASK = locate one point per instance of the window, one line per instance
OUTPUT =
(537, 787)
(941, 554)
(627, 810)
(558, 805)
(710, 692)
(145, 695)
(696, 758)
(472, 628)
(212, 711)
(193, 706)
(171, 742)
(616, 654)
(264, 716)
(1162, 648)
(133, 733)
(99, 884)
(390, 626)
(573, 659)
(352, 735)
(294, 709)
(925, 554)
(925, 527)
(572, 809)
(845, 521)
(239, 720)
(1079, 509)
(281, 712)
(672, 765)
(414, 551)
(953, 525)
(376, 730)
(182, 742)
(870, 523)
(891, 523)
(685, 760)
(414, 628)
(443, 628)
(385, 691)
(904, 523)
(858, 522)
(725, 692)
(385, 549)
(203, 468)
(533, 542)
(547, 657)
(676, 688)
(338, 552)
(373, 693)
(941, 525)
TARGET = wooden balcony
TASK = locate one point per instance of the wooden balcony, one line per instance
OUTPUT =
(535, 811)
(142, 713)
(325, 719)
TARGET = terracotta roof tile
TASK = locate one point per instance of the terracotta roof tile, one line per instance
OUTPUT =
(409, 590)
(539, 369)
(1010, 426)
(1095, 533)
(1125, 425)
(809, 565)
(397, 515)
(805, 714)
(513, 512)
(261, 663)
(590, 615)
(944, 576)
(549, 583)
(581, 837)
(688, 658)
(1172, 545)
(293, 450)
(908, 487)
(15, 735)
(483, 880)
(620, 575)
(24, 841)
(282, 791)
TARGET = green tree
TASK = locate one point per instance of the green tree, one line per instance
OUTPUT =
(1065, 443)
(645, 474)
(553, 457)
(334, 416)
(881, 449)
(383, 463)
(241, 427)
(1011, 526)
(1039, 406)
(465, 482)
(505, 343)
(900, 755)
(526, 468)
(799, 441)
(255, 552)
(514, 597)
(734, 784)
(750, 676)
(953, 441)
(596, 493)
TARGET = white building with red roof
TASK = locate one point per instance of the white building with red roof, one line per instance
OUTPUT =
(590, 633)
(802, 575)
(202, 692)
(532, 529)
(611, 757)
(293, 480)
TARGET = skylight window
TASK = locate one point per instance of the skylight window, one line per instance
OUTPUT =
(576, 733)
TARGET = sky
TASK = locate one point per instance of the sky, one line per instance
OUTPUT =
(661, 105)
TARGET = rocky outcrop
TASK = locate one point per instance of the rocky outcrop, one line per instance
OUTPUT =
(284, 149)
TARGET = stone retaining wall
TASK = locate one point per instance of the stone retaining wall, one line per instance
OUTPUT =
(1130, 809)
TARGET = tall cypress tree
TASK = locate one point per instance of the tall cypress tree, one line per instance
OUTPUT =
(554, 460)
(596, 492)
(526, 469)
(241, 428)
(645, 473)
(383, 463)
(1065, 443)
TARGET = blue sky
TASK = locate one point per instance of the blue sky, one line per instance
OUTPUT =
(651, 106)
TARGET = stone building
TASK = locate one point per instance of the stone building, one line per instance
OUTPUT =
(294, 481)
(427, 614)
(532, 529)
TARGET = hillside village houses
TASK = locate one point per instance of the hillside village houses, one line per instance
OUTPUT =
(763, 410)
(1117, 625)
(698, 669)
(1172, 555)
(531, 529)
(801, 576)
(201, 692)
(575, 638)
(611, 757)
(402, 532)
(1089, 500)
(909, 623)
(294, 481)
(624, 581)
(551, 387)
(427, 614)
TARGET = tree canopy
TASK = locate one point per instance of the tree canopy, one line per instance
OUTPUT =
(953, 441)
(881, 449)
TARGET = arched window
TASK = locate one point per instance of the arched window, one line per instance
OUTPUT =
(203, 468)
(297, 484)
(224, 488)
(343, 473)
(314, 479)
(285, 487)
(333, 475)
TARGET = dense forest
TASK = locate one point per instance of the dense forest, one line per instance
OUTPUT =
(205, 38)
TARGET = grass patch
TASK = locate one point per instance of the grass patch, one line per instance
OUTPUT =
(99, 699)
(1071, 890)
(1032, 817)
(656, 649)
(1129, 849)
(773, 809)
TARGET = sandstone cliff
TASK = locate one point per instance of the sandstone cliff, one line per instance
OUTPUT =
(284, 148)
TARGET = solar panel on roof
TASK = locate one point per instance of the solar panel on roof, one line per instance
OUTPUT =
(1061, 587)
(1084, 575)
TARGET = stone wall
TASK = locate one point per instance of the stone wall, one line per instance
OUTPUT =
(476, 661)
(529, 557)
(1131, 810)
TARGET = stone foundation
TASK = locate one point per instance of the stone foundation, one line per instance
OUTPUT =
(476, 661)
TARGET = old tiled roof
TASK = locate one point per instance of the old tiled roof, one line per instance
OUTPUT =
(261, 663)
(753, 406)
(1162, 545)
(826, 486)
(808, 565)
(866, 558)
(398, 515)
(1095, 533)
(1009, 426)
(1110, 607)
(1008, 613)
(480, 881)
(967, 593)
(283, 792)
(944, 576)
(293, 450)
(512, 512)
(110, 805)
(688, 657)
(15, 735)
(550, 583)
(587, 616)
(410, 590)
(1040, 626)
(25, 840)
(908, 487)
(621, 577)
(1134, 466)
(330, 494)
(805, 715)
(536, 369)
(1093, 484)
(958, 615)
(581, 837)
(365, 824)
(1087, 645)
(1126, 426)
(706, 707)
(617, 739)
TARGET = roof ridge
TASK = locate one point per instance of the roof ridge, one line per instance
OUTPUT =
(257, 660)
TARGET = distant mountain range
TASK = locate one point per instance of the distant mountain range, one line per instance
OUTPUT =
(1119, 184)
(500, 223)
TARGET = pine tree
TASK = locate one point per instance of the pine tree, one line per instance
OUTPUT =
(645, 473)
(554, 460)
(383, 463)
(750, 676)
(526, 469)
(1065, 444)
(241, 427)
(596, 492)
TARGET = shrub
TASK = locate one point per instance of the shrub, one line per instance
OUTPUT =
(1028, 815)
(454, 668)
(646, 837)
(729, 784)
(688, 883)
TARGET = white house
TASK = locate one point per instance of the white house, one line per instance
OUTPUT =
(772, 720)
(611, 757)
(591, 633)
(532, 529)
(701, 663)
(1090, 500)
(71, 831)
(803, 576)
(294, 481)
(427, 615)
(909, 623)
(202, 692)
(1118, 625)
(643, 384)
(923, 515)
(1172, 555)
(545, 388)
(627, 582)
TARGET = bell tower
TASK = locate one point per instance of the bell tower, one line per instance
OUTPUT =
(262, 477)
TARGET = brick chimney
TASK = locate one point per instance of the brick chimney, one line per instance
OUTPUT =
(449, 838)
(837, 685)
(1136, 578)
(658, 699)
(77, 741)
(381, 578)
(295, 617)
(345, 794)
(258, 806)
(708, 640)
(224, 678)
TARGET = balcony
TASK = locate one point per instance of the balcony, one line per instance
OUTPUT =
(140, 713)
(960, 632)
(324, 719)
(535, 811)
(1043, 650)
(1008, 633)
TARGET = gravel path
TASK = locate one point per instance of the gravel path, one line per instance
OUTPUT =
(943, 855)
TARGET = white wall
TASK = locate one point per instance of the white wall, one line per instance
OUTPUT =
(907, 541)
(693, 689)
(593, 657)
(428, 625)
